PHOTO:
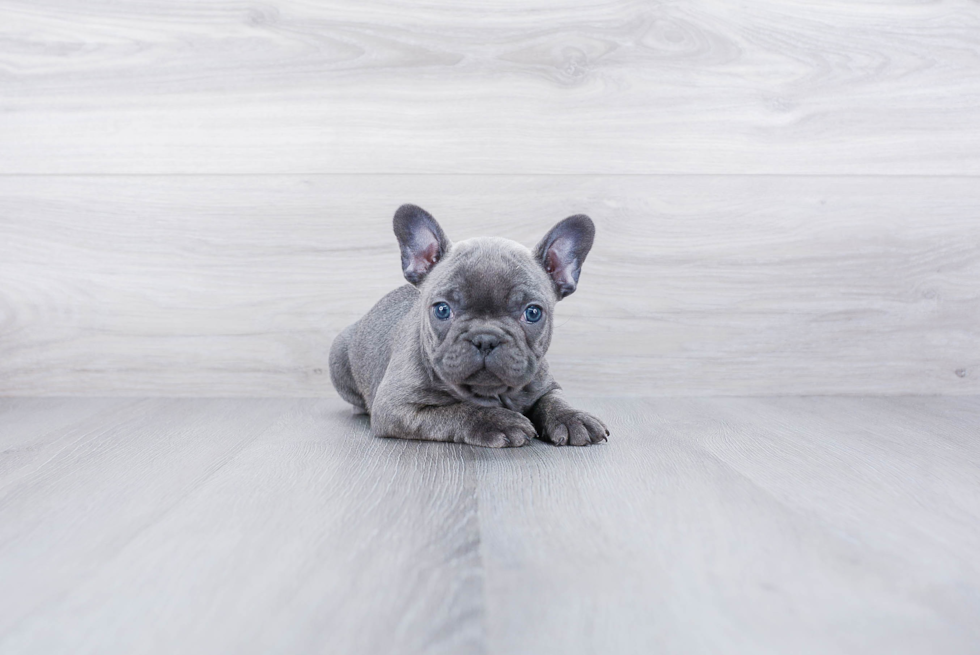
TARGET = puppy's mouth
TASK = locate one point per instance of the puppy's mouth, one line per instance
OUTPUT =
(484, 384)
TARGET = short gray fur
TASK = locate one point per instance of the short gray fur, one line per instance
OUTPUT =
(476, 375)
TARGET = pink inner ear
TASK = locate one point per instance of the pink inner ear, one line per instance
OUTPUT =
(424, 259)
(559, 262)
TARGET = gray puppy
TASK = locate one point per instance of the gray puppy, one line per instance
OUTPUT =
(458, 355)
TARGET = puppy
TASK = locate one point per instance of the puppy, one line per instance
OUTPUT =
(458, 354)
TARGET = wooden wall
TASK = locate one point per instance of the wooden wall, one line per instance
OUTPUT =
(195, 196)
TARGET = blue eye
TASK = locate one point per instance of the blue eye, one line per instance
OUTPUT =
(533, 313)
(442, 311)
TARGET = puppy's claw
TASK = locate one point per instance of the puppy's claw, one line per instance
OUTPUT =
(597, 429)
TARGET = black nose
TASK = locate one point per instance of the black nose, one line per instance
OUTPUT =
(485, 342)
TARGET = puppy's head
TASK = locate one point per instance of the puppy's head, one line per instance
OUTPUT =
(488, 303)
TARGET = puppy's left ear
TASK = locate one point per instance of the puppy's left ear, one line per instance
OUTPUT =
(421, 241)
(562, 252)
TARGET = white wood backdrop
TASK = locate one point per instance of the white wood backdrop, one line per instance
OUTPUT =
(196, 196)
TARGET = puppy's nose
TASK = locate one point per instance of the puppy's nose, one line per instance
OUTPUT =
(485, 342)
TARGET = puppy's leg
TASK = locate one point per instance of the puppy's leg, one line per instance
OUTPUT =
(561, 424)
(492, 427)
(340, 371)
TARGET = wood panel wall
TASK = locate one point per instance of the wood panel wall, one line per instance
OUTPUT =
(195, 197)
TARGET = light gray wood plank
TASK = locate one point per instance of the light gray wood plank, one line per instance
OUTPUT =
(25, 421)
(814, 525)
(513, 87)
(34, 431)
(86, 501)
(245, 526)
(726, 525)
(697, 284)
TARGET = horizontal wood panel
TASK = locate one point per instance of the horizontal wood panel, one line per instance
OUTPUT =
(235, 285)
(506, 87)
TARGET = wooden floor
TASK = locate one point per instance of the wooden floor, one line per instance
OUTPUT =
(721, 525)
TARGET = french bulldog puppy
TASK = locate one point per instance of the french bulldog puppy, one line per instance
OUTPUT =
(458, 354)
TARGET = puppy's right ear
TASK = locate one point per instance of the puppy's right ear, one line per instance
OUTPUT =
(562, 252)
(421, 240)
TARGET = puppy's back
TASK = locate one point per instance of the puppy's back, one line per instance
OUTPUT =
(369, 348)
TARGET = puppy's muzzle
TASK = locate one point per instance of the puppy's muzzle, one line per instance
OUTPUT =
(485, 342)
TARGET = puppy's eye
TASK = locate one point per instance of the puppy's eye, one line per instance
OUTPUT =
(442, 311)
(533, 314)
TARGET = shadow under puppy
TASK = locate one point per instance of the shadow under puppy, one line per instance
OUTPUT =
(458, 355)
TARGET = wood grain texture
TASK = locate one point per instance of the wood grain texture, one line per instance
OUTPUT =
(384, 86)
(804, 525)
(240, 526)
(230, 285)
(724, 525)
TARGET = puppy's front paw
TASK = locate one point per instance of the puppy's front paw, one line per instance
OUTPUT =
(570, 427)
(496, 427)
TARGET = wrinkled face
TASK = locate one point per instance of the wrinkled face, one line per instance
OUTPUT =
(486, 317)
